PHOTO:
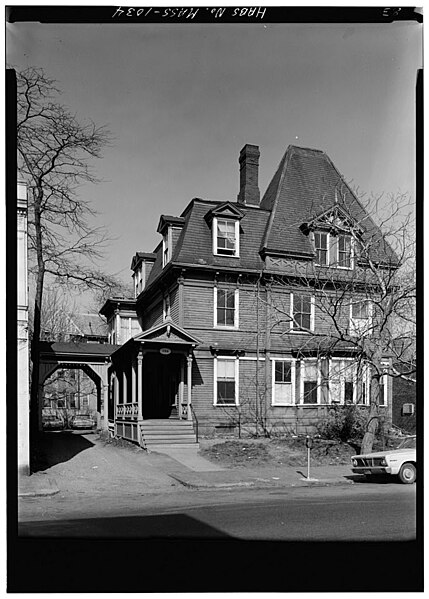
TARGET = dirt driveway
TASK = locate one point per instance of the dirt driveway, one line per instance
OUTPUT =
(84, 465)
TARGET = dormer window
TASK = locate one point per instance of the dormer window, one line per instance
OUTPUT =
(166, 247)
(344, 247)
(226, 232)
(321, 248)
(333, 249)
(224, 221)
(138, 281)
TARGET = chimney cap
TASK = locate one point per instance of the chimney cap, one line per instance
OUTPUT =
(248, 149)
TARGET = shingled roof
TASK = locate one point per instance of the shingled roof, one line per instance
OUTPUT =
(305, 186)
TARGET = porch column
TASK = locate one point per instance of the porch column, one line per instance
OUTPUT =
(140, 385)
(189, 414)
(105, 424)
(124, 386)
(115, 393)
(181, 387)
(133, 381)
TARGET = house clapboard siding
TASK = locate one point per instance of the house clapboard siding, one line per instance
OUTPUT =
(243, 284)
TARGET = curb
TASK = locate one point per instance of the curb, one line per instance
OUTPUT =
(257, 484)
(29, 489)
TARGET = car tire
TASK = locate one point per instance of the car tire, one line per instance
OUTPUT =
(407, 473)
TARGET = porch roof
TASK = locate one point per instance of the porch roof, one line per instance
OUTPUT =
(166, 334)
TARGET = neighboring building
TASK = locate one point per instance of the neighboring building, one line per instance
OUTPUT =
(69, 391)
(23, 342)
(224, 317)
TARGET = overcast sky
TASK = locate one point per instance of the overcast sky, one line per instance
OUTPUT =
(182, 100)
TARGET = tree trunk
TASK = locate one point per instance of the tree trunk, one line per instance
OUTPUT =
(35, 349)
(373, 416)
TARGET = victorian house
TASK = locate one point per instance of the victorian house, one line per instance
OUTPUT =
(245, 313)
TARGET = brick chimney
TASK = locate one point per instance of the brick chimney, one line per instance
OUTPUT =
(249, 169)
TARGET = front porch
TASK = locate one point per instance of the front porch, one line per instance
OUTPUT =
(151, 380)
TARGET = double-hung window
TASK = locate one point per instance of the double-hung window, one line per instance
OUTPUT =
(331, 249)
(283, 392)
(226, 237)
(226, 307)
(302, 312)
(321, 248)
(344, 247)
(361, 317)
(226, 381)
(309, 381)
(166, 247)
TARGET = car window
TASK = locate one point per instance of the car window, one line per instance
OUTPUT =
(409, 443)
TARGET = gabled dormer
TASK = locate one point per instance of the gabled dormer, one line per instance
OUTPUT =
(334, 235)
(141, 265)
(170, 228)
(224, 221)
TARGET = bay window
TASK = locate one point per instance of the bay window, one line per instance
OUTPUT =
(283, 383)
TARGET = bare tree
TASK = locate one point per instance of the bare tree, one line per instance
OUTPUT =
(55, 152)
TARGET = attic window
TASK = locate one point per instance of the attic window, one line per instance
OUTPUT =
(335, 250)
(226, 236)
(166, 247)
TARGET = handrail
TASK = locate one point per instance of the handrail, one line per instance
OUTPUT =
(196, 420)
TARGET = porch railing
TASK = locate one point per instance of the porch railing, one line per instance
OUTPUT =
(196, 420)
(127, 409)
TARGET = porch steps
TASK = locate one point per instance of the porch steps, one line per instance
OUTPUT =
(168, 433)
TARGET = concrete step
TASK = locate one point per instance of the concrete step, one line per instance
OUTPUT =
(161, 446)
(168, 438)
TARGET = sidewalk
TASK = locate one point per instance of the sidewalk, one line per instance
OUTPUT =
(97, 470)
(196, 472)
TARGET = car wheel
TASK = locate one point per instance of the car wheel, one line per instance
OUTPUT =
(407, 473)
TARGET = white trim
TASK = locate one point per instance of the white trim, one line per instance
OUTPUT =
(273, 382)
(236, 324)
(351, 252)
(361, 326)
(312, 314)
(236, 222)
(236, 375)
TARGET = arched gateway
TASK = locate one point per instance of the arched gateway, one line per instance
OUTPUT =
(92, 358)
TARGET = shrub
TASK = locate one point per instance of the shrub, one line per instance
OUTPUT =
(343, 423)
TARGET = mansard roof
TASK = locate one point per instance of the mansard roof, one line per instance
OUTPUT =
(305, 189)
(194, 245)
(305, 186)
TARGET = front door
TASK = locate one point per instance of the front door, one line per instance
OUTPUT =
(161, 376)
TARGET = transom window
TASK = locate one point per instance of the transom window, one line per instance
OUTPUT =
(226, 381)
(302, 309)
(226, 307)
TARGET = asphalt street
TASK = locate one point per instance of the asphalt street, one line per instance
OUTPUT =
(355, 513)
